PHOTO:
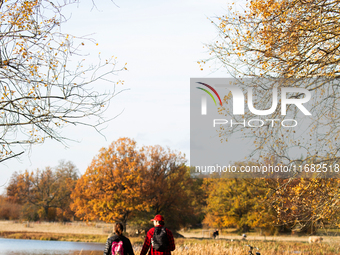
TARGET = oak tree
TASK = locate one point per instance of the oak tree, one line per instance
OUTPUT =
(126, 183)
(168, 188)
(111, 188)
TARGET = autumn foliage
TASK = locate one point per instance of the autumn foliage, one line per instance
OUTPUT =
(44, 194)
(279, 44)
(131, 184)
(44, 76)
(306, 205)
(125, 183)
(295, 44)
(9, 210)
(111, 188)
(284, 38)
(168, 188)
(239, 203)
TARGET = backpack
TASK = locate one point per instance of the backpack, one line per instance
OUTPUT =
(117, 248)
(160, 240)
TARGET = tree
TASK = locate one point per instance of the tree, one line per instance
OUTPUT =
(124, 183)
(287, 43)
(168, 188)
(44, 194)
(306, 205)
(41, 89)
(240, 203)
(111, 188)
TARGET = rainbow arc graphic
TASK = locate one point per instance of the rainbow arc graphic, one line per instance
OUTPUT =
(209, 93)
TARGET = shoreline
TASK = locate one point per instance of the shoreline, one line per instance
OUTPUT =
(43, 236)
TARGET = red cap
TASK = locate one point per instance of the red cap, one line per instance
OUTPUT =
(158, 217)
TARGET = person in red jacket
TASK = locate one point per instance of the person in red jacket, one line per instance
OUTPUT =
(158, 223)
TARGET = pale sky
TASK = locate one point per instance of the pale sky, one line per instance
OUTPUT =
(161, 41)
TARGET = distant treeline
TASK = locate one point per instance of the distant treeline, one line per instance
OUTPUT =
(127, 184)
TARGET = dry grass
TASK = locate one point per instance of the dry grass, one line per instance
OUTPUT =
(188, 246)
(56, 227)
(265, 248)
(75, 231)
(54, 236)
(225, 247)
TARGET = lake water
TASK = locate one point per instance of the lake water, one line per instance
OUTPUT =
(36, 247)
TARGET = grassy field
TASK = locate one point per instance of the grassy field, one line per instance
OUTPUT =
(57, 227)
(193, 244)
(77, 232)
(53, 236)
(190, 247)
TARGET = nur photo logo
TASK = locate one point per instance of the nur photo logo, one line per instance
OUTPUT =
(255, 118)
(239, 101)
(204, 98)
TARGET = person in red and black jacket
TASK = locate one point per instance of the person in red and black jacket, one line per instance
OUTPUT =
(158, 221)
